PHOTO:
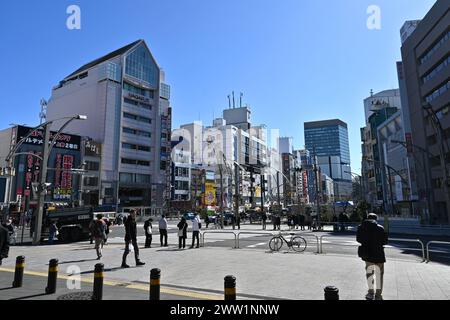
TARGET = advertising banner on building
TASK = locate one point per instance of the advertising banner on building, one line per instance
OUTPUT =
(63, 177)
(64, 140)
(210, 194)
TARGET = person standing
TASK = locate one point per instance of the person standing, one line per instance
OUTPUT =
(98, 233)
(163, 231)
(182, 233)
(53, 229)
(196, 226)
(264, 220)
(4, 243)
(373, 238)
(148, 233)
(107, 229)
(302, 222)
(278, 219)
(131, 237)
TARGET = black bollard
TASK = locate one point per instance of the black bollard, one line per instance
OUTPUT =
(155, 284)
(52, 276)
(331, 293)
(18, 274)
(98, 282)
(230, 288)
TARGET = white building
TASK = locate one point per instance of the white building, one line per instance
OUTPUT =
(127, 104)
(381, 100)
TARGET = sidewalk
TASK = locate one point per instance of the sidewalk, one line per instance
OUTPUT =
(260, 275)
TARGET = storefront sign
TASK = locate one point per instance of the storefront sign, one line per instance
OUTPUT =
(64, 141)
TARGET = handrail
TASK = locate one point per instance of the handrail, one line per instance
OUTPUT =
(435, 242)
(390, 239)
(202, 236)
(412, 240)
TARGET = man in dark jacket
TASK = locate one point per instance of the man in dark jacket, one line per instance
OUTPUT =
(373, 238)
(131, 237)
(4, 243)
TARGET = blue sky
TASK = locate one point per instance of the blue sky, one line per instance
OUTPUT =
(294, 60)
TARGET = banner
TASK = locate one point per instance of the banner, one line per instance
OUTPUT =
(210, 193)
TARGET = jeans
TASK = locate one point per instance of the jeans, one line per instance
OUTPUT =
(51, 237)
(195, 235)
(99, 246)
(163, 236)
(181, 242)
(127, 250)
(148, 240)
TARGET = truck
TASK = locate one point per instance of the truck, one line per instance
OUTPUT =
(73, 223)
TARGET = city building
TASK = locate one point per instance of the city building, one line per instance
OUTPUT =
(127, 102)
(327, 189)
(371, 166)
(426, 74)
(64, 157)
(379, 100)
(327, 141)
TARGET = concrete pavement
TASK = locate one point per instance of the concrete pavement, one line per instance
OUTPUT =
(260, 274)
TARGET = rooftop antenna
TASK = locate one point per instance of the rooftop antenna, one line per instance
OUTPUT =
(240, 100)
(234, 105)
(371, 92)
(229, 102)
(43, 113)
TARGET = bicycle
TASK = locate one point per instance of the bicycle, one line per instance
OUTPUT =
(297, 243)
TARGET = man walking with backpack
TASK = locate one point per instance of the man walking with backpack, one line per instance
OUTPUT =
(373, 238)
(131, 237)
(98, 232)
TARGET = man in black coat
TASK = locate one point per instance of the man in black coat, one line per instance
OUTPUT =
(373, 238)
(131, 237)
(4, 243)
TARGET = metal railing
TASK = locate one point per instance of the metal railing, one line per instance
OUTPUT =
(390, 239)
(411, 240)
(428, 247)
(269, 234)
(202, 236)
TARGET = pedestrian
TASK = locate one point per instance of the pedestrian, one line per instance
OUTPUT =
(302, 222)
(148, 233)
(107, 229)
(52, 232)
(264, 220)
(91, 227)
(207, 220)
(278, 222)
(274, 221)
(4, 243)
(196, 226)
(98, 233)
(131, 237)
(373, 238)
(32, 224)
(163, 231)
(182, 233)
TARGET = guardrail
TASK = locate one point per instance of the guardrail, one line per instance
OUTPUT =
(428, 247)
(269, 234)
(390, 239)
(202, 236)
(412, 240)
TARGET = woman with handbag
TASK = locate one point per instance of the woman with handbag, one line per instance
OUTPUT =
(182, 233)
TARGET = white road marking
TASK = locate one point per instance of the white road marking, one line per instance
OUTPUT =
(257, 245)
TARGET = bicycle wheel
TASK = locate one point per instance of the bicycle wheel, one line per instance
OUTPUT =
(275, 243)
(299, 244)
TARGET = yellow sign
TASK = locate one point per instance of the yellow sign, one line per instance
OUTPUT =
(210, 193)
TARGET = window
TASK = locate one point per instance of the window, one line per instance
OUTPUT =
(128, 161)
(137, 118)
(143, 178)
(138, 104)
(92, 166)
(140, 64)
(126, 177)
(128, 146)
(90, 181)
(143, 148)
(438, 92)
(445, 37)
(139, 91)
(136, 132)
(163, 165)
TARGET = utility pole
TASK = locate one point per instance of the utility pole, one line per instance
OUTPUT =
(42, 188)
(390, 191)
(263, 189)
(236, 196)
(278, 188)
(316, 178)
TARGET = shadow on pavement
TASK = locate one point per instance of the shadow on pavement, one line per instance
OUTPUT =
(29, 297)
(8, 288)
(75, 261)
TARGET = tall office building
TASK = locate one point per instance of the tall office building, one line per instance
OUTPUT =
(426, 73)
(127, 104)
(328, 141)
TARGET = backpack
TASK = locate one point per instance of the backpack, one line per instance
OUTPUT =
(99, 231)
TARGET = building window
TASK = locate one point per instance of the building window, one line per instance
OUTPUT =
(92, 166)
(445, 37)
(90, 181)
(136, 162)
(142, 92)
(136, 132)
(126, 177)
(137, 118)
(143, 178)
(139, 64)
